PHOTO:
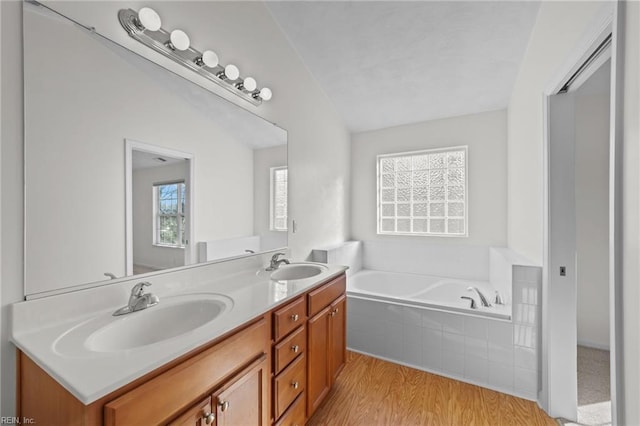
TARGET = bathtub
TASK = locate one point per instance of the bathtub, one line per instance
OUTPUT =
(425, 291)
(421, 322)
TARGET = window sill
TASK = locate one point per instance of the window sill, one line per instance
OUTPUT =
(410, 234)
(168, 246)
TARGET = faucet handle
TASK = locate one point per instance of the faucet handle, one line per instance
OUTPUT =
(276, 256)
(138, 289)
(472, 305)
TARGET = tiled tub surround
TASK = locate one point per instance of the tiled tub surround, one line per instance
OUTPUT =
(494, 353)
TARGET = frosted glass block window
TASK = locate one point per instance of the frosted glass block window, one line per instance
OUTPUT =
(278, 215)
(169, 220)
(423, 192)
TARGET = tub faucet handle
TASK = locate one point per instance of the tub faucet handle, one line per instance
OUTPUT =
(473, 302)
(498, 299)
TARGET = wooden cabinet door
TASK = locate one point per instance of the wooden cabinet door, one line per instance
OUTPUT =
(198, 415)
(243, 400)
(318, 353)
(337, 338)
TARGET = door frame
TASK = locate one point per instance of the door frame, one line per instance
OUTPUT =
(555, 397)
(130, 146)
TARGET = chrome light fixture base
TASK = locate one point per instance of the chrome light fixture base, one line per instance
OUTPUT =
(191, 58)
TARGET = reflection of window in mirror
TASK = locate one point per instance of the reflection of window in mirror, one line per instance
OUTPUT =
(278, 213)
(169, 219)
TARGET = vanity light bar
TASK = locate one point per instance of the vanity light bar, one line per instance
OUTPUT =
(145, 26)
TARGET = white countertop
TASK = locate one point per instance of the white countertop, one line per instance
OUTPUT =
(40, 325)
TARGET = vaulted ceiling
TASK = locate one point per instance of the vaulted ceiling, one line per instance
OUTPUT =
(388, 63)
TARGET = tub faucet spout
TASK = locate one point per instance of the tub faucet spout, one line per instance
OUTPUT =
(483, 300)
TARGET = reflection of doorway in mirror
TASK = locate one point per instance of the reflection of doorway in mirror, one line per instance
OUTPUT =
(159, 208)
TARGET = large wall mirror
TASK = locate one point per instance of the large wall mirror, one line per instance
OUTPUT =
(132, 169)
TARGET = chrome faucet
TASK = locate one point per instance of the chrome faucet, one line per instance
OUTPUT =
(498, 300)
(483, 300)
(275, 262)
(138, 300)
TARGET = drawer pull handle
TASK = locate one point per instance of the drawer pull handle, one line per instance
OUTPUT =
(209, 418)
(295, 317)
(295, 348)
(224, 405)
(295, 385)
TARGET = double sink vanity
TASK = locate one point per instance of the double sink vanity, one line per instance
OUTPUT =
(250, 347)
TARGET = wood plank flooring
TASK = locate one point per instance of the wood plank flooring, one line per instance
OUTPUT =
(373, 392)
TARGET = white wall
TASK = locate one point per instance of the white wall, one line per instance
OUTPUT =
(243, 32)
(1, 315)
(559, 27)
(263, 160)
(630, 222)
(486, 136)
(592, 208)
(12, 188)
(145, 253)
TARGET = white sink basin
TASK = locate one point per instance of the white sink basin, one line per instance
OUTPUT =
(172, 317)
(297, 271)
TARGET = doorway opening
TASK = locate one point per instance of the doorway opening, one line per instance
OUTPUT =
(579, 364)
(159, 206)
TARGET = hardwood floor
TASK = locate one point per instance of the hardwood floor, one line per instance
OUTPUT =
(374, 392)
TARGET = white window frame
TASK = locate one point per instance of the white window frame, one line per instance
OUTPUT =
(180, 214)
(465, 199)
(272, 197)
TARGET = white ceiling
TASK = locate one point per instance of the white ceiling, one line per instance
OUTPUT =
(388, 63)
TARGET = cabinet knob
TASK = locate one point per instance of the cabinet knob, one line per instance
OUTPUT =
(224, 405)
(332, 313)
(295, 385)
(295, 317)
(209, 418)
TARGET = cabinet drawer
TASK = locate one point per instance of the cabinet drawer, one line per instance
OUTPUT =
(289, 384)
(292, 346)
(166, 395)
(322, 297)
(289, 318)
(295, 415)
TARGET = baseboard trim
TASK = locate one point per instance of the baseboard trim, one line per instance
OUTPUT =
(593, 345)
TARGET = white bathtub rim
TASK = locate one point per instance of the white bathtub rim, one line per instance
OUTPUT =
(497, 312)
(481, 312)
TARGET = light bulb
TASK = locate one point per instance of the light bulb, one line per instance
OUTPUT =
(149, 19)
(250, 84)
(180, 40)
(210, 59)
(232, 72)
(265, 93)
